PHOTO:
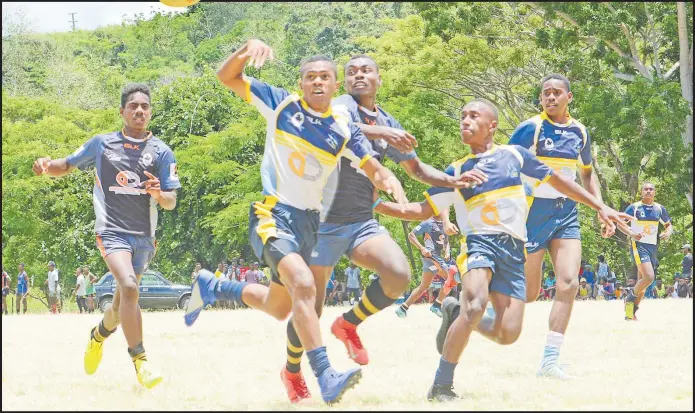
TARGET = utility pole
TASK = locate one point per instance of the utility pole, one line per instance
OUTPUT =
(73, 21)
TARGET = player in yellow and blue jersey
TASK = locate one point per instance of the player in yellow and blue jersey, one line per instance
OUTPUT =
(492, 220)
(304, 144)
(564, 144)
(648, 215)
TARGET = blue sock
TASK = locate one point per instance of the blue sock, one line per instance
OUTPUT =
(445, 373)
(488, 320)
(230, 291)
(551, 351)
(318, 360)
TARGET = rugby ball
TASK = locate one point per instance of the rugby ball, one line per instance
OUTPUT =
(179, 3)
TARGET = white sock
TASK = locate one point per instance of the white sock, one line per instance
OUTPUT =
(554, 339)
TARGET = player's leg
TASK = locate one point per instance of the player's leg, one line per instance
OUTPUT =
(427, 277)
(533, 269)
(473, 300)
(645, 260)
(441, 269)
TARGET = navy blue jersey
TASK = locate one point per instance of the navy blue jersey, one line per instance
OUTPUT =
(434, 237)
(649, 216)
(120, 201)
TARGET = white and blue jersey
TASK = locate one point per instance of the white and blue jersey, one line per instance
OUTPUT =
(647, 220)
(121, 203)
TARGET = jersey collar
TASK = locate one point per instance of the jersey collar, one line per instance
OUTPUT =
(544, 116)
(306, 107)
(149, 135)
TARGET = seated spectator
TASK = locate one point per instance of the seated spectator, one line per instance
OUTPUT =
(651, 290)
(674, 289)
(660, 289)
(330, 286)
(619, 290)
(589, 276)
(683, 289)
(583, 291)
(549, 285)
(608, 290)
(339, 293)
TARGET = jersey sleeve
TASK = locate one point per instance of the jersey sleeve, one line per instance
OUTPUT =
(422, 228)
(665, 218)
(523, 134)
(86, 155)
(532, 166)
(262, 95)
(345, 106)
(585, 156)
(167, 171)
(441, 198)
(358, 147)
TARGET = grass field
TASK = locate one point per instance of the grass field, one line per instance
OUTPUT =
(230, 360)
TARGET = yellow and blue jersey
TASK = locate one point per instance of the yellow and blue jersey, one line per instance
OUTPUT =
(498, 205)
(647, 220)
(563, 147)
(302, 146)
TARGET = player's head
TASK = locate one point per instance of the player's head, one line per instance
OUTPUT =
(319, 81)
(555, 94)
(136, 110)
(21, 266)
(648, 191)
(198, 266)
(78, 271)
(478, 121)
(362, 76)
(601, 258)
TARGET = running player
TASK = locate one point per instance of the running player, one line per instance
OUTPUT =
(564, 144)
(434, 253)
(304, 145)
(492, 219)
(348, 227)
(135, 171)
(648, 215)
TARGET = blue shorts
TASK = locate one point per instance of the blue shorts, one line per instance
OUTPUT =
(428, 264)
(549, 219)
(334, 240)
(503, 254)
(142, 248)
(643, 253)
(277, 230)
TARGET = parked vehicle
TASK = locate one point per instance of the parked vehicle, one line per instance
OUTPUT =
(155, 292)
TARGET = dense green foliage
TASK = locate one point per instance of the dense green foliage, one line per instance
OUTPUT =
(60, 89)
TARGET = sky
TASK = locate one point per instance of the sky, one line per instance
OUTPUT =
(54, 17)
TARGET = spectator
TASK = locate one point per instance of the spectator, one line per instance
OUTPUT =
(660, 289)
(5, 289)
(22, 288)
(52, 282)
(330, 286)
(91, 292)
(583, 293)
(602, 269)
(195, 272)
(608, 290)
(683, 288)
(220, 270)
(687, 262)
(80, 290)
(225, 268)
(352, 274)
(590, 278)
(339, 293)
(253, 275)
(242, 269)
(549, 285)
(651, 290)
(266, 276)
(619, 290)
(674, 289)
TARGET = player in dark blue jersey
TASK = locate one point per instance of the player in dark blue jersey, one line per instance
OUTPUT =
(492, 219)
(134, 172)
(304, 144)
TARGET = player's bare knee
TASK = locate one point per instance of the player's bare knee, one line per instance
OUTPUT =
(303, 286)
(567, 285)
(129, 289)
(475, 305)
(509, 334)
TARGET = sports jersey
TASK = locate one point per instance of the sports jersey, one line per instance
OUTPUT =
(498, 205)
(349, 194)
(121, 204)
(648, 219)
(432, 231)
(302, 146)
(563, 147)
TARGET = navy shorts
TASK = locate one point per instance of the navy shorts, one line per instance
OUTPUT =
(503, 254)
(549, 219)
(334, 240)
(429, 266)
(141, 248)
(277, 230)
(643, 253)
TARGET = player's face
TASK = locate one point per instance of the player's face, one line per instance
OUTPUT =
(362, 77)
(137, 111)
(477, 123)
(555, 97)
(648, 192)
(318, 85)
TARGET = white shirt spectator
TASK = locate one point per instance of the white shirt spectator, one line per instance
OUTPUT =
(224, 277)
(81, 286)
(353, 277)
(52, 281)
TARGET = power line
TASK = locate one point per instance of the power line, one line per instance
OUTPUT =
(73, 21)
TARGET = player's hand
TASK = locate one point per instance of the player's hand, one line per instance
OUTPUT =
(469, 179)
(41, 165)
(399, 139)
(257, 52)
(152, 186)
(426, 253)
(665, 235)
(609, 217)
(637, 236)
(392, 186)
(451, 229)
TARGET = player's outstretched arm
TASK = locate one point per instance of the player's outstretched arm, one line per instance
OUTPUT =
(398, 138)
(52, 167)
(384, 180)
(412, 211)
(427, 174)
(255, 52)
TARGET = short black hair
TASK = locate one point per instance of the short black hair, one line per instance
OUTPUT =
(601, 258)
(131, 88)
(485, 102)
(318, 58)
(648, 183)
(556, 76)
(361, 56)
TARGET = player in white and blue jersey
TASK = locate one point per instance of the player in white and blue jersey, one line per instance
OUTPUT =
(304, 144)
(647, 214)
(564, 144)
(492, 220)
(134, 172)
